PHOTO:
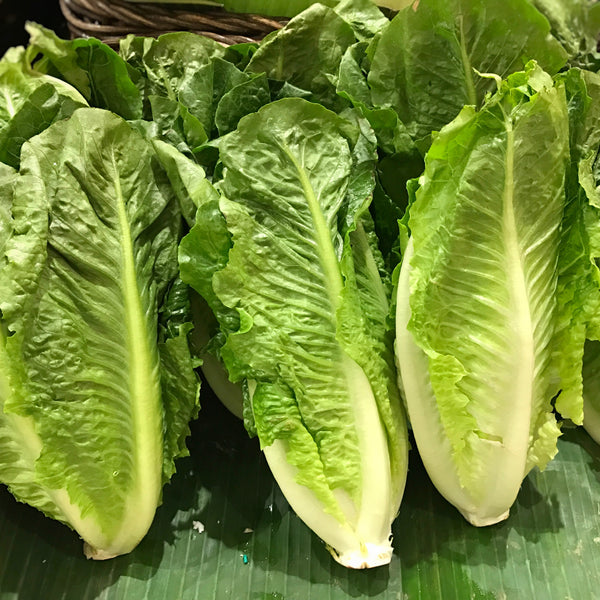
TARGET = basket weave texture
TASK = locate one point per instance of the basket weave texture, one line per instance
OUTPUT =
(111, 20)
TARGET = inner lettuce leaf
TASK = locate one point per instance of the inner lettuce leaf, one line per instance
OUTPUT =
(476, 303)
(424, 63)
(175, 66)
(193, 190)
(96, 381)
(293, 258)
(191, 89)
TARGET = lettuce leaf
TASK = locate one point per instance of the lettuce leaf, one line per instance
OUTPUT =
(425, 63)
(95, 390)
(29, 103)
(591, 388)
(93, 68)
(576, 25)
(477, 306)
(306, 53)
(578, 290)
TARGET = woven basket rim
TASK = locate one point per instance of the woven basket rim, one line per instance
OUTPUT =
(111, 20)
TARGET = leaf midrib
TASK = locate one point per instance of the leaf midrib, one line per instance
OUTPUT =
(467, 66)
(144, 404)
(325, 249)
(517, 283)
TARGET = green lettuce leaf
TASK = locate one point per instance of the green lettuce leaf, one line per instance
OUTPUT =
(576, 25)
(476, 307)
(185, 71)
(578, 288)
(96, 390)
(591, 388)
(579, 283)
(306, 53)
(365, 14)
(7, 182)
(299, 266)
(423, 64)
(241, 100)
(29, 103)
(195, 193)
(93, 68)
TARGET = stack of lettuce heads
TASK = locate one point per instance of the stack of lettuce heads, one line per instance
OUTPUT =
(281, 212)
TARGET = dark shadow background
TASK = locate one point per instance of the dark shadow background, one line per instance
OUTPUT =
(14, 13)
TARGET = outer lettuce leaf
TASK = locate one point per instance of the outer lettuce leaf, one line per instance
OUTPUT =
(180, 387)
(90, 420)
(576, 25)
(423, 64)
(7, 182)
(210, 245)
(579, 278)
(477, 309)
(591, 388)
(306, 53)
(29, 103)
(93, 68)
(302, 274)
(579, 285)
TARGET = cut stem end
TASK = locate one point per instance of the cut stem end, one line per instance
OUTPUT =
(369, 556)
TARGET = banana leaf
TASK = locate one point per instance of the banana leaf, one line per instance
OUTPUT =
(225, 532)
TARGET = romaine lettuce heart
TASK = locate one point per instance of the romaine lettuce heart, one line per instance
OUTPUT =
(286, 258)
(476, 304)
(96, 381)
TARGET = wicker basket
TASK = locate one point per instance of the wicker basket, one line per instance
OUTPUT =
(111, 20)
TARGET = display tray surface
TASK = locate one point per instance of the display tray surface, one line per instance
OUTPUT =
(253, 547)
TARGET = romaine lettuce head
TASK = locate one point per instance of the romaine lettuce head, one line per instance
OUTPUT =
(96, 381)
(476, 303)
(286, 257)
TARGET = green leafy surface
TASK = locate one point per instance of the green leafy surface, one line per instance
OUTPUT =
(425, 63)
(324, 397)
(90, 66)
(307, 53)
(576, 24)
(29, 103)
(578, 289)
(83, 395)
(547, 550)
(485, 230)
